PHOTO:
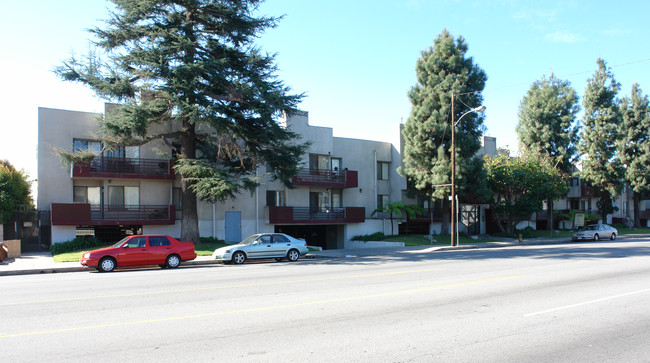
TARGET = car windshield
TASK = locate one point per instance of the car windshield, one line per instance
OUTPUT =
(249, 239)
(118, 244)
(591, 227)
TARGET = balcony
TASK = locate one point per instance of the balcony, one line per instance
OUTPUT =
(327, 178)
(82, 214)
(124, 168)
(307, 215)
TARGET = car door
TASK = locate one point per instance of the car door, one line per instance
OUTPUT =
(133, 252)
(261, 247)
(159, 248)
(282, 245)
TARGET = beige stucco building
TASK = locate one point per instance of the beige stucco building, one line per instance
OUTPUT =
(134, 189)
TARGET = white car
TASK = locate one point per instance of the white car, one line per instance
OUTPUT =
(594, 232)
(264, 245)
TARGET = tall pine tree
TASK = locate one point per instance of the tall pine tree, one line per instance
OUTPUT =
(192, 66)
(441, 70)
(601, 167)
(634, 145)
(547, 127)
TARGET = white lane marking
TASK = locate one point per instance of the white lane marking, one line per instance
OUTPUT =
(588, 302)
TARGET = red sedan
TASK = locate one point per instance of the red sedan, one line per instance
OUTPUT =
(140, 250)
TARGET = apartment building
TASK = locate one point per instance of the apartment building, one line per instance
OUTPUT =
(133, 189)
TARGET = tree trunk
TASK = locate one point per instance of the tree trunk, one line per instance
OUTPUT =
(604, 206)
(190, 220)
(549, 214)
(637, 216)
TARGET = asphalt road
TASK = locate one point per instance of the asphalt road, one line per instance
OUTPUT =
(587, 302)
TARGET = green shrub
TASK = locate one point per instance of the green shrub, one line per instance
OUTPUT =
(79, 243)
(211, 240)
(527, 232)
(377, 236)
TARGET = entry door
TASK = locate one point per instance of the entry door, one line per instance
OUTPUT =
(233, 226)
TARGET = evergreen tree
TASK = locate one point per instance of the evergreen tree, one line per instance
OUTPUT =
(601, 168)
(14, 191)
(191, 65)
(546, 125)
(441, 70)
(634, 145)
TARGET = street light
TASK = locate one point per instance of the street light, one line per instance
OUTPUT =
(454, 197)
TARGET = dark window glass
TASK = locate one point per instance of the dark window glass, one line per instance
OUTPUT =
(156, 241)
(271, 200)
(80, 195)
(278, 238)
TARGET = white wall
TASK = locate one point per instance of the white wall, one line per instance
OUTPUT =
(63, 233)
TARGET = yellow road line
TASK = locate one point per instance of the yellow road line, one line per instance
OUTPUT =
(221, 287)
(268, 308)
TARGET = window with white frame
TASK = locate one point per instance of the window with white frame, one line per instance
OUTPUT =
(90, 195)
(382, 200)
(275, 198)
(123, 196)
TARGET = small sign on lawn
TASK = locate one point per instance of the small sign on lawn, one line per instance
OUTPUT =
(579, 220)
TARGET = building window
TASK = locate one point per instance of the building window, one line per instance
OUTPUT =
(123, 196)
(319, 162)
(90, 195)
(275, 198)
(131, 152)
(336, 164)
(382, 170)
(423, 201)
(177, 199)
(382, 200)
(87, 145)
(337, 199)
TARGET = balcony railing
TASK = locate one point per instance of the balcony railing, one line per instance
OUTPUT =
(129, 168)
(307, 215)
(327, 178)
(77, 214)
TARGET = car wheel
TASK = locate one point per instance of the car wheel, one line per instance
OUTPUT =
(613, 236)
(172, 261)
(106, 264)
(596, 238)
(293, 255)
(238, 257)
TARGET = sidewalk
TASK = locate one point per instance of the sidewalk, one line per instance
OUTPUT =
(42, 262)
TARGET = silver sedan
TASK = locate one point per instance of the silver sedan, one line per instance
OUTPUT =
(595, 232)
(264, 245)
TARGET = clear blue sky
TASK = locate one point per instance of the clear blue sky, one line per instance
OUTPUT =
(354, 60)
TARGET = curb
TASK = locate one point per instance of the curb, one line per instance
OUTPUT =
(48, 270)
